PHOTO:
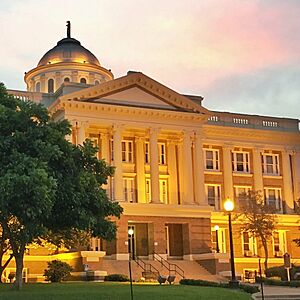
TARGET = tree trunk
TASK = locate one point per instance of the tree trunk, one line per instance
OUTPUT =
(19, 269)
(265, 245)
(2, 268)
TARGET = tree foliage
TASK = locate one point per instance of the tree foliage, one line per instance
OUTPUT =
(46, 183)
(258, 219)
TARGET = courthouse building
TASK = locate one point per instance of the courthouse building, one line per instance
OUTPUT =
(176, 162)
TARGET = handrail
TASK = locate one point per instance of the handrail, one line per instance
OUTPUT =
(171, 267)
(146, 267)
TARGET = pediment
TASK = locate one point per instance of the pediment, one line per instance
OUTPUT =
(136, 90)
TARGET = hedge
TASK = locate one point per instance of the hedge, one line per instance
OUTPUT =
(116, 277)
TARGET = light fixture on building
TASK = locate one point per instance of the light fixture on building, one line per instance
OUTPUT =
(130, 234)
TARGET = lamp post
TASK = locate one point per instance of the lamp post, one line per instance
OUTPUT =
(216, 227)
(229, 207)
(130, 233)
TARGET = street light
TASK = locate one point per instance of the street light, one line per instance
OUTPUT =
(229, 207)
(216, 227)
(130, 233)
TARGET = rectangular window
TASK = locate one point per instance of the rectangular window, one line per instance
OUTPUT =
(211, 159)
(240, 162)
(148, 190)
(240, 194)
(111, 145)
(147, 152)
(127, 151)
(213, 195)
(112, 189)
(162, 154)
(270, 164)
(279, 243)
(273, 198)
(128, 188)
(249, 244)
(163, 191)
(96, 143)
(221, 240)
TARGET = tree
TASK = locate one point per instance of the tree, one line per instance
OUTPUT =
(46, 183)
(258, 219)
(4, 247)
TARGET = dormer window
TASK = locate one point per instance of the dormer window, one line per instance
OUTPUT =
(50, 86)
(67, 79)
(83, 80)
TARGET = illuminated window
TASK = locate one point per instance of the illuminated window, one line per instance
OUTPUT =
(162, 153)
(163, 191)
(50, 86)
(38, 87)
(249, 244)
(211, 159)
(67, 79)
(127, 151)
(162, 156)
(96, 143)
(221, 240)
(147, 152)
(279, 243)
(213, 195)
(148, 190)
(240, 162)
(128, 188)
(241, 194)
(273, 198)
(270, 164)
(82, 80)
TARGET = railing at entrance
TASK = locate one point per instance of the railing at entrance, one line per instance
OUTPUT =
(172, 268)
(149, 271)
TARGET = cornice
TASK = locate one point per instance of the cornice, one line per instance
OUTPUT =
(144, 82)
(67, 105)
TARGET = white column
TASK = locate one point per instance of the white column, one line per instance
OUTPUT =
(81, 127)
(297, 173)
(287, 182)
(118, 176)
(257, 171)
(104, 150)
(43, 84)
(58, 81)
(154, 166)
(140, 169)
(172, 170)
(180, 172)
(200, 197)
(227, 172)
(187, 169)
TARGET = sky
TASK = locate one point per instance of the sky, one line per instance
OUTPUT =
(240, 55)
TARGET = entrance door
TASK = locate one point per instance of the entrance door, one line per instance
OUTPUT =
(131, 242)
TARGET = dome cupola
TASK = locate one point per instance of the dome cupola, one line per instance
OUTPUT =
(68, 61)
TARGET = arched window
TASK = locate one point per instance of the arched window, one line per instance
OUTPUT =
(67, 79)
(83, 80)
(38, 87)
(50, 86)
(97, 82)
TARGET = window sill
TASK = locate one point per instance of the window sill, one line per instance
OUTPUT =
(272, 176)
(212, 172)
(243, 174)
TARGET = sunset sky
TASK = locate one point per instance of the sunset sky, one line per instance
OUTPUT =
(241, 56)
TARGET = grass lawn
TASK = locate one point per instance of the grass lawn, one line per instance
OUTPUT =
(116, 291)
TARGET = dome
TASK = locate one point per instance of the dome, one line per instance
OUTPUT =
(68, 50)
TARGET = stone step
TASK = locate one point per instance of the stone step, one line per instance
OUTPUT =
(293, 296)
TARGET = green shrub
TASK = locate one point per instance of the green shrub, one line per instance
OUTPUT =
(245, 287)
(57, 271)
(280, 271)
(116, 277)
(269, 281)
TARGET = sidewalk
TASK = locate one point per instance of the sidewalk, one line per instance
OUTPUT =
(279, 292)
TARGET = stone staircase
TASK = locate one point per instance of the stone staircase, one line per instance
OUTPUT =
(192, 269)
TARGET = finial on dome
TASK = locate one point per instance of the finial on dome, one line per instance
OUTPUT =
(68, 29)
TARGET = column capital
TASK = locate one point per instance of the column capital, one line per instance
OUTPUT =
(139, 139)
(81, 124)
(154, 131)
(228, 146)
(117, 127)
